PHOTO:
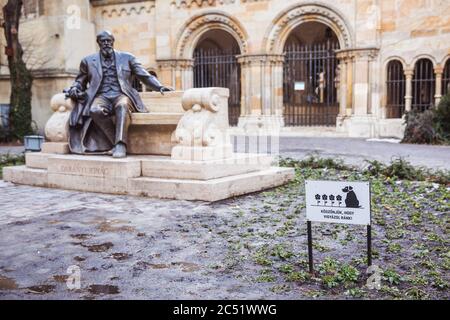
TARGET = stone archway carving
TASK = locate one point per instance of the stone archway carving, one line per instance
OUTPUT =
(193, 29)
(293, 16)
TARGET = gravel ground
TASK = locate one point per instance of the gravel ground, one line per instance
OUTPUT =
(251, 247)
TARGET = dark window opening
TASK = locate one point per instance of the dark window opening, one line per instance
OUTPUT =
(446, 79)
(396, 89)
(423, 85)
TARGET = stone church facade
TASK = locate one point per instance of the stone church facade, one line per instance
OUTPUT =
(345, 66)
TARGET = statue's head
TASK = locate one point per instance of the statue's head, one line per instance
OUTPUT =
(105, 40)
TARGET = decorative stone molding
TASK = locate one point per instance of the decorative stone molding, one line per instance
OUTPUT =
(191, 31)
(438, 69)
(289, 19)
(202, 133)
(409, 72)
(261, 59)
(124, 9)
(175, 64)
(357, 53)
(182, 4)
(57, 127)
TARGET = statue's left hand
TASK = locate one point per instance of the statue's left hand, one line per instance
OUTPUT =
(165, 89)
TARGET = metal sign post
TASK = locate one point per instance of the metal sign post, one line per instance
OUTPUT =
(310, 248)
(369, 245)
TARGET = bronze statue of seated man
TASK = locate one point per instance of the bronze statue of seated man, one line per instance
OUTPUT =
(105, 99)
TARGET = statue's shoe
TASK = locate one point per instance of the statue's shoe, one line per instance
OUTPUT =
(120, 151)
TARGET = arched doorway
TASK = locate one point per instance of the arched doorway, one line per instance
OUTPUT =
(216, 65)
(310, 77)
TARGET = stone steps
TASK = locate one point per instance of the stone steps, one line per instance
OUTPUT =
(211, 190)
(152, 176)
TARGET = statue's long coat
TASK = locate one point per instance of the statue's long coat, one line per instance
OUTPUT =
(84, 136)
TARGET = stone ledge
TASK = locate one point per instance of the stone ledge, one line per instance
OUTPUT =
(37, 160)
(94, 166)
(26, 176)
(211, 190)
(56, 147)
(89, 183)
(165, 168)
(145, 119)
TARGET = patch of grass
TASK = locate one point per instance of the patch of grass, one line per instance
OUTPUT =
(347, 274)
(280, 288)
(334, 273)
(286, 268)
(266, 278)
(9, 160)
(329, 265)
(319, 247)
(392, 277)
(416, 294)
(282, 252)
(394, 248)
(401, 169)
(392, 291)
(299, 276)
(439, 283)
(356, 293)
(330, 281)
(313, 161)
(261, 257)
(266, 275)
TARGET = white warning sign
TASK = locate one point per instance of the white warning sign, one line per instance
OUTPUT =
(338, 202)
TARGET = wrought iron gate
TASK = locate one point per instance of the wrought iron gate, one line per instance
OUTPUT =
(216, 68)
(310, 81)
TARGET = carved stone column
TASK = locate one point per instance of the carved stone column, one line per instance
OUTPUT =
(438, 95)
(345, 84)
(178, 73)
(262, 92)
(355, 112)
(362, 104)
(409, 73)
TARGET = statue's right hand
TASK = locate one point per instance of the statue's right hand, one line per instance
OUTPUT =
(74, 93)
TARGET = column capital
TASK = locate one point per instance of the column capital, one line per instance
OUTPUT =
(409, 72)
(439, 70)
(175, 63)
(369, 53)
(261, 59)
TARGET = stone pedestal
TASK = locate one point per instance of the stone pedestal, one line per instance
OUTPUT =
(186, 155)
(56, 147)
(152, 176)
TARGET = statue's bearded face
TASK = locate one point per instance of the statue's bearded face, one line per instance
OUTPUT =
(106, 46)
